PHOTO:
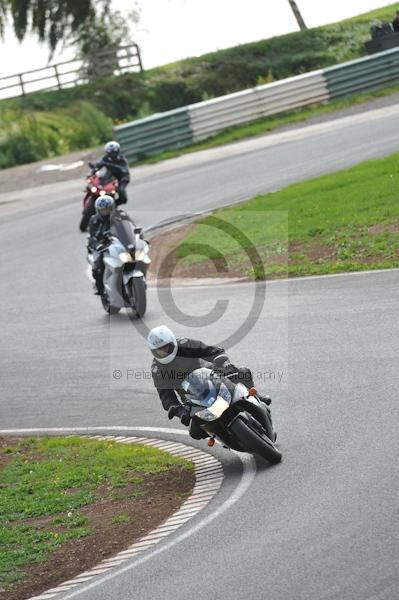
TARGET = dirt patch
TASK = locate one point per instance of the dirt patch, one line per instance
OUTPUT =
(160, 495)
(167, 265)
(384, 228)
(5, 443)
(314, 251)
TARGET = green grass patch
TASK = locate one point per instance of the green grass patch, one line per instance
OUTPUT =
(123, 518)
(345, 221)
(45, 481)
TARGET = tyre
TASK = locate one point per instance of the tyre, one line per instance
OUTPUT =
(111, 310)
(269, 427)
(84, 222)
(88, 212)
(254, 441)
(139, 294)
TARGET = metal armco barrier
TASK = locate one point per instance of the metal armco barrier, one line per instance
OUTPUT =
(363, 74)
(211, 117)
(164, 131)
(183, 126)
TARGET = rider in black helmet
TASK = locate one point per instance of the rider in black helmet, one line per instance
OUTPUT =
(117, 165)
(174, 359)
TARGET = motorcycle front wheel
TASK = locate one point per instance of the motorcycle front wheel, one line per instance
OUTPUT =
(254, 442)
(84, 222)
(88, 212)
(139, 295)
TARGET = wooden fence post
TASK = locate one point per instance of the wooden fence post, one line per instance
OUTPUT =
(21, 82)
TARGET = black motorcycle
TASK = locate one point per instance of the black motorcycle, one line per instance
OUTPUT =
(230, 412)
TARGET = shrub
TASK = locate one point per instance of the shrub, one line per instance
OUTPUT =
(32, 136)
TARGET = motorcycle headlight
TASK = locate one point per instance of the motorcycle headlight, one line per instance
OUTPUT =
(102, 193)
(215, 410)
(125, 257)
(93, 189)
(142, 256)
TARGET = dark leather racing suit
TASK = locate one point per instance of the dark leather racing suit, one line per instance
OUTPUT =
(98, 228)
(120, 170)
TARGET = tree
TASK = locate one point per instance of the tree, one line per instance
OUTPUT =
(98, 39)
(53, 21)
(297, 14)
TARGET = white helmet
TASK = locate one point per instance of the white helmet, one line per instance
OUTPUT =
(163, 344)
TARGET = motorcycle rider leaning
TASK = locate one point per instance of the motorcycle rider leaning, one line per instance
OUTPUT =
(174, 359)
(117, 165)
(99, 227)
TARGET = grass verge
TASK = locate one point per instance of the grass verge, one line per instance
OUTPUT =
(346, 221)
(52, 487)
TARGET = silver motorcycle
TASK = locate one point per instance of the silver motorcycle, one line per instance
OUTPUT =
(126, 261)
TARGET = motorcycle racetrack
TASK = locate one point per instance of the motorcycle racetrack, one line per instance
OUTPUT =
(322, 524)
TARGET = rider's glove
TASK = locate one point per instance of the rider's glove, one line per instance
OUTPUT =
(185, 417)
(182, 412)
(226, 369)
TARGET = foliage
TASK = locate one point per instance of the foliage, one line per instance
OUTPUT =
(98, 39)
(51, 21)
(31, 136)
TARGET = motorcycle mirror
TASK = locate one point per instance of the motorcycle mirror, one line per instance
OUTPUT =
(138, 229)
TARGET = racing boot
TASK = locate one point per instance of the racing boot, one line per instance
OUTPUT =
(97, 276)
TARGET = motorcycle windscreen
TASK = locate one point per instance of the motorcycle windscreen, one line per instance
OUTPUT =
(200, 388)
(104, 176)
(123, 229)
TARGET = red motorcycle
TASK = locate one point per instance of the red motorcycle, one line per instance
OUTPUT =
(99, 183)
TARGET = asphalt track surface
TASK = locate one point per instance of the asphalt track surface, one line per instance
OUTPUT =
(322, 524)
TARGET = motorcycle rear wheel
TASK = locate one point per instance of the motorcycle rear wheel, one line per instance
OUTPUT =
(255, 442)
